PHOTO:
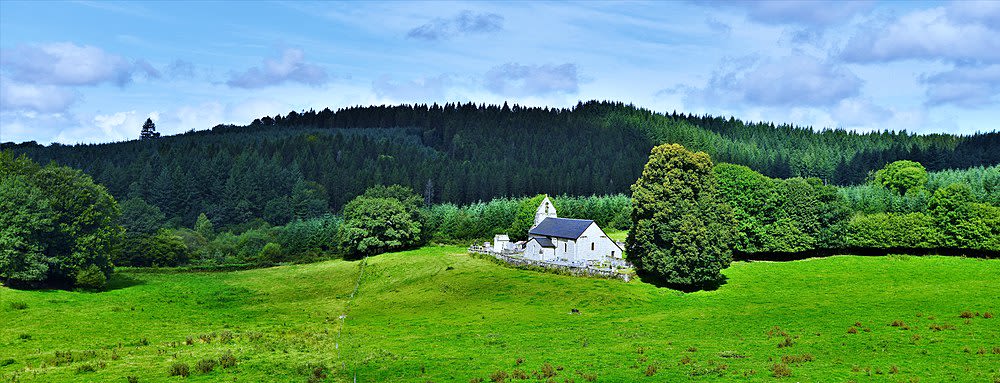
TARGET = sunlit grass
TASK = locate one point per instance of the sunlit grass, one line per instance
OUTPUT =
(436, 314)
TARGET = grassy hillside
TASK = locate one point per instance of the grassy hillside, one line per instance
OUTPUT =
(436, 314)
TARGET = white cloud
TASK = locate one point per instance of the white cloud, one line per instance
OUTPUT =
(292, 67)
(803, 12)
(796, 80)
(514, 79)
(966, 86)
(38, 98)
(464, 23)
(951, 34)
(421, 89)
(65, 64)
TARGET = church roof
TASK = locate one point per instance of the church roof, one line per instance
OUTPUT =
(543, 242)
(561, 227)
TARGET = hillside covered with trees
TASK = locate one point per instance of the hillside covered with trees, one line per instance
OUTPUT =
(303, 165)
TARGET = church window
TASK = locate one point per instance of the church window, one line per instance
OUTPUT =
(591, 246)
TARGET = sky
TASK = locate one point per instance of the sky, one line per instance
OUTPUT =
(93, 71)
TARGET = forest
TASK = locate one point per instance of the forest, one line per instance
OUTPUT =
(312, 185)
(303, 164)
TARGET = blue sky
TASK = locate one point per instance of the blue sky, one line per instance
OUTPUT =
(85, 71)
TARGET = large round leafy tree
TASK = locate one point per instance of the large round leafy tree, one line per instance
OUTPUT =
(55, 223)
(681, 230)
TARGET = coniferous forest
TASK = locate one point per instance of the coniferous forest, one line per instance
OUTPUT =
(305, 164)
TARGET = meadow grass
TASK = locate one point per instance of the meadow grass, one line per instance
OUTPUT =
(437, 314)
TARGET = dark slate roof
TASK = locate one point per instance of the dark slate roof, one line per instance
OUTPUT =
(544, 242)
(561, 227)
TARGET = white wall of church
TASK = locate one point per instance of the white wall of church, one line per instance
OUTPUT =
(532, 250)
(594, 238)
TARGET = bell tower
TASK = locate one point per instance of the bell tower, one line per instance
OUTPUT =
(545, 210)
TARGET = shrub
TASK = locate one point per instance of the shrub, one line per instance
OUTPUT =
(205, 366)
(548, 371)
(85, 368)
(227, 360)
(732, 355)
(476, 380)
(18, 306)
(132, 379)
(24, 337)
(91, 278)
(796, 359)
(651, 370)
(271, 253)
(207, 338)
(318, 375)
(781, 370)
(499, 376)
(226, 336)
(787, 342)
(180, 369)
(852, 330)
(987, 315)
(518, 374)
(7, 362)
(966, 315)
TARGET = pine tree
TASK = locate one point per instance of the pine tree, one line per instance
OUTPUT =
(149, 130)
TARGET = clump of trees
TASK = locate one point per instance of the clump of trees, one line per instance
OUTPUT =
(382, 219)
(902, 208)
(57, 227)
(781, 215)
(681, 227)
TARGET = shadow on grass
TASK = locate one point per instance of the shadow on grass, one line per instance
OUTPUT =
(120, 281)
(657, 281)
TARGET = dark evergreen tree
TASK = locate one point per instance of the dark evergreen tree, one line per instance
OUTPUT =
(149, 130)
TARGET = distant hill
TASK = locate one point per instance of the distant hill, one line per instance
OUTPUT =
(467, 152)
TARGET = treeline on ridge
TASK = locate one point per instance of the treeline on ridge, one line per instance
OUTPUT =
(305, 164)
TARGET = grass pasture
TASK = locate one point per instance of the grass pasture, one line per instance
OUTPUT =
(436, 314)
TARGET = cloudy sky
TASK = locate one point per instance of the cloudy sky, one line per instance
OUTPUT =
(85, 71)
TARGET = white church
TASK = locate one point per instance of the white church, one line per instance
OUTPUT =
(554, 239)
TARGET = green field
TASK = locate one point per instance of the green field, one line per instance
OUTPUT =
(437, 314)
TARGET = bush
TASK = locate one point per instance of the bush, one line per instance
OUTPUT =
(271, 253)
(780, 370)
(893, 230)
(651, 370)
(499, 376)
(180, 369)
(91, 278)
(17, 305)
(85, 368)
(227, 360)
(205, 366)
